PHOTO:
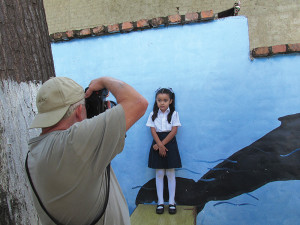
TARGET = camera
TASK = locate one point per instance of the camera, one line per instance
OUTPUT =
(96, 103)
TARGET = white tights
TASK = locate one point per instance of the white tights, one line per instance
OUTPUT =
(160, 173)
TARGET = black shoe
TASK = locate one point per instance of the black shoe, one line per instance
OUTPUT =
(160, 209)
(172, 209)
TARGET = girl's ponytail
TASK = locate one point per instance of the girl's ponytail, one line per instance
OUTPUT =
(172, 107)
(155, 111)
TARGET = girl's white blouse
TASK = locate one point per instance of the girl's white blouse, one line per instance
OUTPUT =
(161, 122)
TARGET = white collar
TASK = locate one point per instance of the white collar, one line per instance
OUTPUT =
(167, 111)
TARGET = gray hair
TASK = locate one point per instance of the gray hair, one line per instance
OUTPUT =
(72, 108)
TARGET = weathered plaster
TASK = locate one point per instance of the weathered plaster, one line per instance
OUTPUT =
(17, 110)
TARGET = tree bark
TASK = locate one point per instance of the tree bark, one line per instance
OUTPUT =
(25, 62)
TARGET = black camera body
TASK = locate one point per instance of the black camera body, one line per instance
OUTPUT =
(96, 103)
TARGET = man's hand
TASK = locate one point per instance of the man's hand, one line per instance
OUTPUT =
(95, 85)
(133, 103)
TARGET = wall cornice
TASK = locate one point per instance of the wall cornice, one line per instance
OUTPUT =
(143, 24)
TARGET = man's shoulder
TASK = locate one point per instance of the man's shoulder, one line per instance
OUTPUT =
(44, 136)
(118, 108)
(114, 111)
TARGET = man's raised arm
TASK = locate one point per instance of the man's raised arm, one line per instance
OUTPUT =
(133, 103)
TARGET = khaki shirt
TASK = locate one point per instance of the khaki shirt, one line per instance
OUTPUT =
(67, 169)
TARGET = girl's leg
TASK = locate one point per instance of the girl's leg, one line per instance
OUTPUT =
(171, 184)
(160, 173)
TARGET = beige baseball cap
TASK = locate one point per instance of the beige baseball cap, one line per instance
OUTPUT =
(54, 99)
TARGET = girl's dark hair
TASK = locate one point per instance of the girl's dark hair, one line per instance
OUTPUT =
(171, 94)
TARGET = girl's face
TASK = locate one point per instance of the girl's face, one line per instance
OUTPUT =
(163, 101)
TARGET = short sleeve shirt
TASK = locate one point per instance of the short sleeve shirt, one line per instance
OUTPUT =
(67, 169)
(161, 123)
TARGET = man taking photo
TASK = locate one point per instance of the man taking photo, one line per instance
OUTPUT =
(68, 165)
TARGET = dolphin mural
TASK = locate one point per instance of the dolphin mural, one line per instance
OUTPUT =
(274, 157)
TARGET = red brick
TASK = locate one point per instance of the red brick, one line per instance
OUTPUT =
(142, 24)
(294, 47)
(85, 32)
(207, 15)
(261, 51)
(127, 26)
(113, 28)
(57, 36)
(70, 34)
(278, 49)
(98, 30)
(60, 36)
(174, 19)
(191, 17)
(156, 22)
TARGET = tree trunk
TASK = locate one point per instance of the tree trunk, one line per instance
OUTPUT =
(25, 62)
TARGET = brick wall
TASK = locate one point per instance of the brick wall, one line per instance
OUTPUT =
(270, 23)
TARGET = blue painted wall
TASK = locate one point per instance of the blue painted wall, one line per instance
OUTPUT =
(225, 102)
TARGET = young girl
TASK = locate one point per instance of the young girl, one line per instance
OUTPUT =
(164, 155)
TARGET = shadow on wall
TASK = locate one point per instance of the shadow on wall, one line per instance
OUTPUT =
(274, 157)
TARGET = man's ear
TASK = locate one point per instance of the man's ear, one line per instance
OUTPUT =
(78, 112)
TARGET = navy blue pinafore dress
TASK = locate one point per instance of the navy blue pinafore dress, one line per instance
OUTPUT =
(172, 158)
